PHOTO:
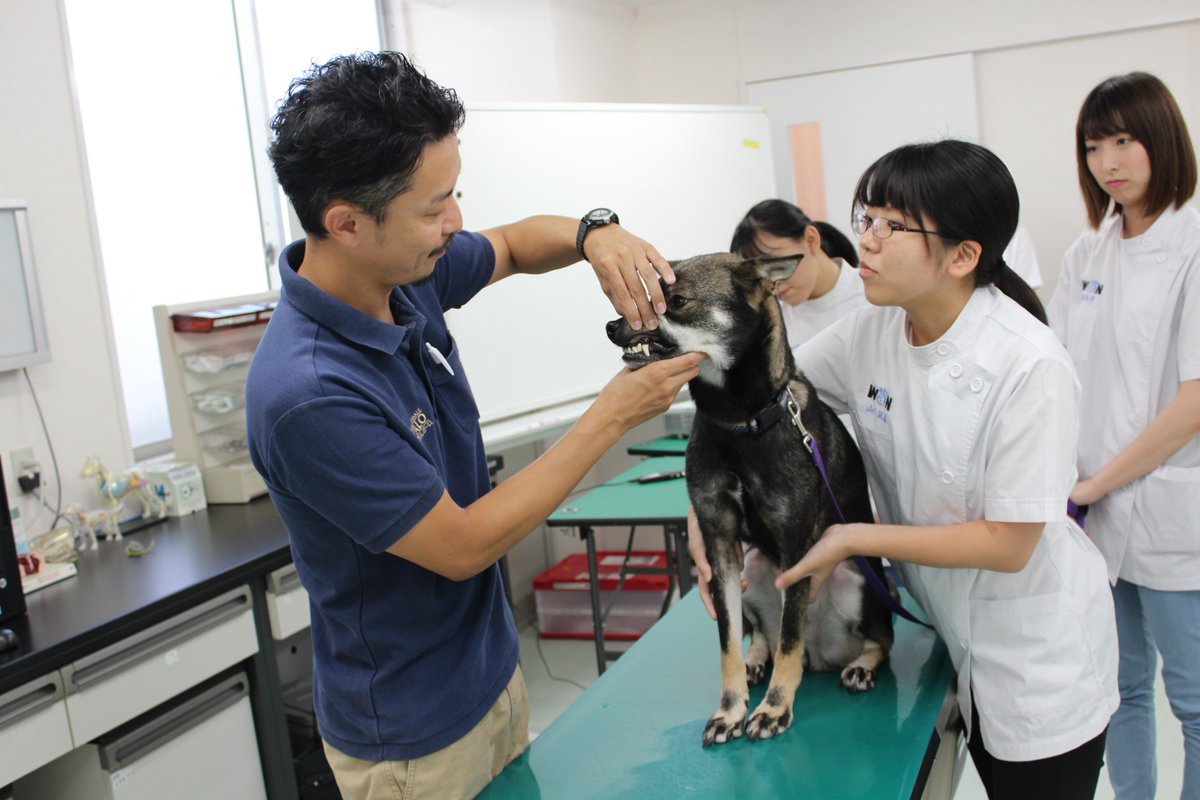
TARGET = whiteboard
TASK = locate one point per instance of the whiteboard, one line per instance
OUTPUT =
(865, 113)
(680, 177)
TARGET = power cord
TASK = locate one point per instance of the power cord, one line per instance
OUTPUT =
(49, 444)
(538, 642)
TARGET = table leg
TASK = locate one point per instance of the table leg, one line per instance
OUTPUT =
(589, 538)
(683, 560)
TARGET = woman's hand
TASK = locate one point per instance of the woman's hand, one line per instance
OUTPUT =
(700, 559)
(819, 562)
(1086, 492)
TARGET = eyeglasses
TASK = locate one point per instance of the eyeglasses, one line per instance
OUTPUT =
(882, 227)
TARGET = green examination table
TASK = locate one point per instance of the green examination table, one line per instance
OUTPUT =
(635, 733)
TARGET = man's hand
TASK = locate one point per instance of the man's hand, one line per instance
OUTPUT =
(635, 396)
(627, 268)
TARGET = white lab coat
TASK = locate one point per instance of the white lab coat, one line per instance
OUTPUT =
(809, 318)
(982, 424)
(1128, 311)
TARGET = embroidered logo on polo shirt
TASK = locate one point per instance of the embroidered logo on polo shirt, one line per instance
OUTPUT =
(419, 423)
(881, 402)
(1091, 290)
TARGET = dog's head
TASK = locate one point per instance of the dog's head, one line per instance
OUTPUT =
(718, 305)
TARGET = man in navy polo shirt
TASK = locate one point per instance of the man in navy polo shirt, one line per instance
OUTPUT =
(364, 427)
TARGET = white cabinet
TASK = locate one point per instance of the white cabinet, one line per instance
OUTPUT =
(196, 747)
(287, 603)
(33, 726)
(112, 686)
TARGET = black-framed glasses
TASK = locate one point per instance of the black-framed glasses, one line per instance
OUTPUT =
(882, 228)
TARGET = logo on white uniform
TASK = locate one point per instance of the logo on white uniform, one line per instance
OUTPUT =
(1091, 290)
(880, 402)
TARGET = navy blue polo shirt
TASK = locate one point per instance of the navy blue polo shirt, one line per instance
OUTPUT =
(357, 430)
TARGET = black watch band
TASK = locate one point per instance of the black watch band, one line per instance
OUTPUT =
(595, 218)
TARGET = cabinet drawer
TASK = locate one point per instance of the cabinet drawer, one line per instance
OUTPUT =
(116, 684)
(287, 603)
(33, 727)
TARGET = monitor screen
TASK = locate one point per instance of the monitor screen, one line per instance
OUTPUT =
(22, 328)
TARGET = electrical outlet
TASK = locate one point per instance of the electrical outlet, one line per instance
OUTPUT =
(21, 459)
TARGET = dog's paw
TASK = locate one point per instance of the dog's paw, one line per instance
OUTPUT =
(756, 671)
(767, 721)
(727, 723)
(857, 678)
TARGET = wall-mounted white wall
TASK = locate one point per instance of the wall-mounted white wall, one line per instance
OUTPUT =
(41, 162)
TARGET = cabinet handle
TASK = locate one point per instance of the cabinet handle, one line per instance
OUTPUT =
(30, 700)
(283, 580)
(147, 738)
(160, 637)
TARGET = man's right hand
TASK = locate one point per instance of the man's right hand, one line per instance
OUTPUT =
(635, 396)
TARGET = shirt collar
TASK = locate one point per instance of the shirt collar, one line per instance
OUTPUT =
(955, 341)
(1157, 236)
(342, 319)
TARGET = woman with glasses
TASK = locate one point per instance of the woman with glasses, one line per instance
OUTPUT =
(825, 286)
(1127, 307)
(965, 408)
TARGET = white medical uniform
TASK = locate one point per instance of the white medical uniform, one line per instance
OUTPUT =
(807, 319)
(982, 423)
(1022, 258)
(1128, 311)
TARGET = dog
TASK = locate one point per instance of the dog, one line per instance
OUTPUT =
(751, 480)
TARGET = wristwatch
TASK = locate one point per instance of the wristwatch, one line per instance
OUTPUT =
(593, 219)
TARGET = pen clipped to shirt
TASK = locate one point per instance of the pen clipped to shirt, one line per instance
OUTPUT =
(438, 357)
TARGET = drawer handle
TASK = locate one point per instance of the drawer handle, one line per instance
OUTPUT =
(29, 703)
(158, 732)
(136, 651)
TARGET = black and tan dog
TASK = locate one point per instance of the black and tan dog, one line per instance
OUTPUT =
(750, 479)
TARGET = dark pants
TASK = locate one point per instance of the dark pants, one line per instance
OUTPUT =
(1070, 776)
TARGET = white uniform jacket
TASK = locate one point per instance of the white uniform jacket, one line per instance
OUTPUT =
(982, 424)
(1128, 311)
(809, 318)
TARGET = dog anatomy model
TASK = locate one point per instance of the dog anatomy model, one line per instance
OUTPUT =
(751, 480)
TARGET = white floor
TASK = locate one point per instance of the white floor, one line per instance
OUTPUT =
(575, 661)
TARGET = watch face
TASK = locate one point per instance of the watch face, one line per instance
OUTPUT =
(599, 214)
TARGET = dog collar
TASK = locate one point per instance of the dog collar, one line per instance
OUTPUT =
(761, 421)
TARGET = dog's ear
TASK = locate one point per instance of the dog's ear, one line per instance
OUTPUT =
(772, 269)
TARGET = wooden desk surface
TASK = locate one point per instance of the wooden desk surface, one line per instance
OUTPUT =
(636, 732)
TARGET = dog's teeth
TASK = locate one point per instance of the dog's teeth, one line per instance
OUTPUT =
(646, 348)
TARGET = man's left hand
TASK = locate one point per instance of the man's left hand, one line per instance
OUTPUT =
(628, 268)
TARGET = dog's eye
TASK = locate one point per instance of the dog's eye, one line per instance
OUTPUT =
(678, 301)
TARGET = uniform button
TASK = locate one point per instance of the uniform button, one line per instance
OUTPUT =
(943, 348)
(976, 384)
(956, 371)
(947, 477)
(1150, 241)
(1160, 258)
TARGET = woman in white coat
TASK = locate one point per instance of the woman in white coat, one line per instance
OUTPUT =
(1127, 307)
(965, 408)
(825, 286)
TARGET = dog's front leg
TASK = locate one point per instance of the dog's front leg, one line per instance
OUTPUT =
(774, 714)
(726, 587)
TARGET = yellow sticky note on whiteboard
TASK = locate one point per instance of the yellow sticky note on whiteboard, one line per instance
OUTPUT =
(751, 143)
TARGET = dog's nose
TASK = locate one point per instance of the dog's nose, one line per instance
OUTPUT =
(612, 328)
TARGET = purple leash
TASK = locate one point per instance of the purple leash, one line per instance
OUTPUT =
(873, 580)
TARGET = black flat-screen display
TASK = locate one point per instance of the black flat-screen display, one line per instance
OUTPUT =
(12, 598)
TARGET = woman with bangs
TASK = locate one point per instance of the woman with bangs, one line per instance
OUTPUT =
(965, 406)
(825, 286)
(1127, 307)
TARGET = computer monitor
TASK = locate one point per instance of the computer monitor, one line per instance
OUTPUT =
(22, 328)
(12, 596)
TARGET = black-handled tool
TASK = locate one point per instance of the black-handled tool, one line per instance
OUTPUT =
(655, 477)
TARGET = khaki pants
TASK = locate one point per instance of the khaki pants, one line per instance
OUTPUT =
(459, 770)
